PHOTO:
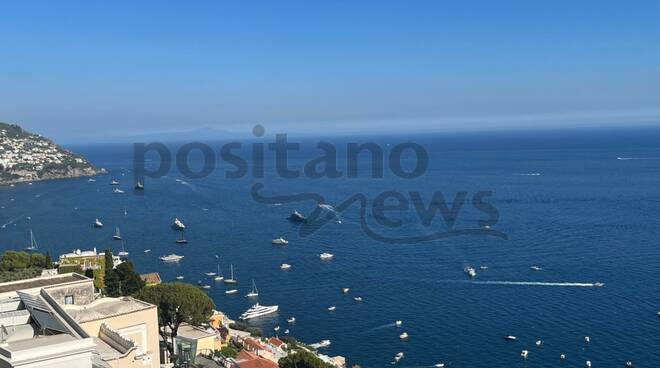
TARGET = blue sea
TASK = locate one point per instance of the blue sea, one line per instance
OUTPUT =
(581, 204)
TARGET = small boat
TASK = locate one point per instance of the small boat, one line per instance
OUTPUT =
(326, 256)
(231, 280)
(598, 284)
(324, 343)
(218, 276)
(114, 182)
(125, 212)
(181, 240)
(147, 250)
(258, 311)
(280, 241)
(539, 343)
(345, 290)
(139, 186)
(171, 258)
(254, 293)
(510, 338)
(178, 225)
(33, 243)
(439, 365)
(398, 323)
(286, 332)
(231, 291)
(524, 354)
(276, 328)
(587, 339)
(123, 253)
(210, 274)
(117, 191)
(180, 277)
(471, 272)
(398, 357)
(588, 363)
(296, 216)
(629, 364)
(285, 266)
(536, 268)
(90, 180)
(358, 298)
(117, 235)
(291, 320)
(403, 336)
(98, 223)
(562, 357)
(332, 308)
(206, 287)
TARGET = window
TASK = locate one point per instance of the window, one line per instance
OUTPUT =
(68, 299)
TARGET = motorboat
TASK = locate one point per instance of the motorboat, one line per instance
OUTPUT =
(117, 191)
(33, 243)
(231, 280)
(139, 185)
(471, 272)
(524, 354)
(332, 308)
(536, 268)
(403, 336)
(510, 338)
(171, 258)
(326, 256)
(210, 274)
(206, 287)
(254, 292)
(398, 323)
(587, 339)
(358, 298)
(280, 241)
(90, 180)
(114, 182)
(439, 365)
(285, 266)
(286, 332)
(345, 290)
(291, 320)
(178, 225)
(180, 277)
(117, 235)
(231, 291)
(598, 284)
(539, 343)
(296, 216)
(398, 357)
(258, 310)
(147, 250)
(276, 328)
(98, 223)
(562, 356)
(588, 364)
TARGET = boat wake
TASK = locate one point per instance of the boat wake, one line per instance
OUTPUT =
(329, 208)
(530, 174)
(530, 283)
(632, 158)
(389, 325)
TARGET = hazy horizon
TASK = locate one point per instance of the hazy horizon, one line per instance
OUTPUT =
(100, 72)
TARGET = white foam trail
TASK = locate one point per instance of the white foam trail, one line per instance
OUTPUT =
(530, 174)
(328, 207)
(632, 158)
(534, 283)
(381, 327)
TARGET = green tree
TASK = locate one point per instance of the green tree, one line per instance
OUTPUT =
(130, 280)
(112, 283)
(12, 261)
(177, 303)
(302, 359)
(38, 260)
(228, 352)
(49, 261)
(109, 263)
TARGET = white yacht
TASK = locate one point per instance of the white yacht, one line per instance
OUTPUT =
(332, 308)
(280, 241)
(123, 252)
(206, 287)
(398, 357)
(285, 266)
(326, 256)
(291, 320)
(598, 284)
(403, 336)
(471, 272)
(345, 290)
(398, 323)
(258, 311)
(209, 274)
(218, 276)
(231, 280)
(439, 365)
(255, 292)
(147, 250)
(286, 332)
(539, 343)
(98, 223)
(358, 298)
(171, 258)
(231, 291)
(117, 235)
(510, 338)
(178, 225)
(33, 243)
(535, 268)
(90, 180)
(524, 354)
(276, 328)
(180, 277)
(114, 182)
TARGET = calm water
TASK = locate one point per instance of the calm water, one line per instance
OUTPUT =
(588, 217)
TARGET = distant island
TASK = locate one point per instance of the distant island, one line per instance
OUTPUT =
(27, 157)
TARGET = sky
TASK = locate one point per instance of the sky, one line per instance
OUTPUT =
(98, 70)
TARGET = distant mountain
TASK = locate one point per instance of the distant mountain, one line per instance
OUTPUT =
(26, 157)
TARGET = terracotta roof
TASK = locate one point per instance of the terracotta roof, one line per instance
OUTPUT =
(151, 278)
(275, 341)
(245, 359)
(253, 344)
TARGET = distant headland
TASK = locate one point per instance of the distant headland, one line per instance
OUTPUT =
(28, 157)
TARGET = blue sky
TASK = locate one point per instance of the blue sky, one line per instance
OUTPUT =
(98, 69)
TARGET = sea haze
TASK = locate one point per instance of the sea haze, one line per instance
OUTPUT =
(583, 205)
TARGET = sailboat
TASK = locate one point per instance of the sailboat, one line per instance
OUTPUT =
(125, 212)
(231, 280)
(33, 243)
(117, 235)
(98, 223)
(218, 276)
(182, 240)
(123, 252)
(254, 292)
